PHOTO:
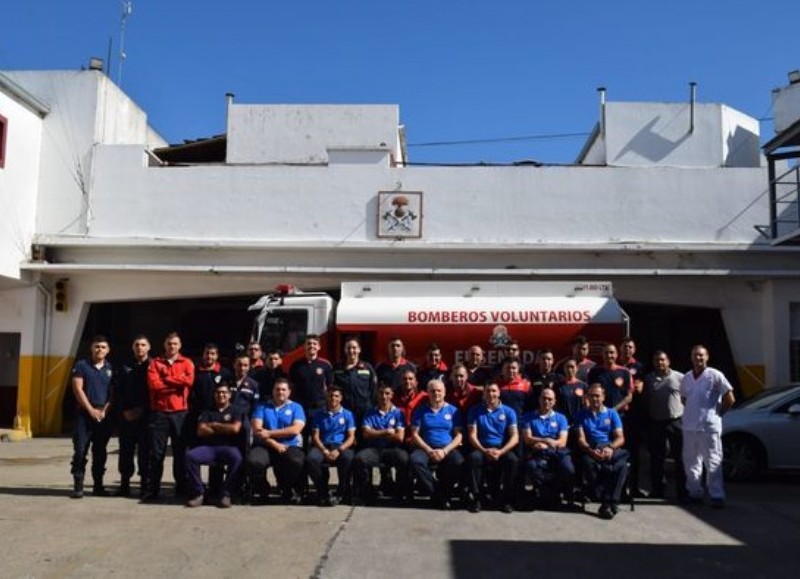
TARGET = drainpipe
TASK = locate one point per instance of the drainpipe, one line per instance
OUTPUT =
(45, 353)
(692, 101)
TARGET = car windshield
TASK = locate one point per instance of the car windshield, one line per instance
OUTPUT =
(768, 397)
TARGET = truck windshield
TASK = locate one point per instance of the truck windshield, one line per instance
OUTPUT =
(284, 330)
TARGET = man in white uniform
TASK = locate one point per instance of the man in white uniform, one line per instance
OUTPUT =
(706, 395)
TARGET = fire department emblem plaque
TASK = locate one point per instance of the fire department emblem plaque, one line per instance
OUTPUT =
(400, 214)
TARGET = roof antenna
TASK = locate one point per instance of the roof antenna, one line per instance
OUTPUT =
(127, 10)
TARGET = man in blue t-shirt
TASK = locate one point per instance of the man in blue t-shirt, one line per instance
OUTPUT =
(549, 464)
(492, 433)
(277, 427)
(92, 382)
(605, 462)
(436, 433)
(333, 434)
(383, 432)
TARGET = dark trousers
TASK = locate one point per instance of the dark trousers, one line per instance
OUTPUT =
(551, 470)
(605, 479)
(665, 437)
(319, 471)
(166, 427)
(90, 432)
(370, 458)
(498, 473)
(133, 443)
(448, 472)
(288, 468)
(228, 456)
(634, 429)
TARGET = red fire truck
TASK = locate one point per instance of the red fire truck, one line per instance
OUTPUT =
(453, 314)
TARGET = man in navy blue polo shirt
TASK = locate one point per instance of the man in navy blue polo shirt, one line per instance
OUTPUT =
(549, 465)
(333, 434)
(383, 432)
(92, 382)
(492, 432)
(278, 441)
(605, 462)
(436, 432)
(218, 435)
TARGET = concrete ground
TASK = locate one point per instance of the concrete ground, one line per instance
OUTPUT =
(45, 534)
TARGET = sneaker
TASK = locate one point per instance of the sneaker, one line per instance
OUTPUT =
(506, 508)
(474, 505)
(225, 502)
(124, 490)
(195, 502)
(717, 503)
(606, 512)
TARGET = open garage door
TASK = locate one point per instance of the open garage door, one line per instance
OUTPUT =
(222, 320)
(676, 329)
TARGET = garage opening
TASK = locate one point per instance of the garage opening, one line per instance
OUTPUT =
(676, 329)
(9, 378)
(222, 320)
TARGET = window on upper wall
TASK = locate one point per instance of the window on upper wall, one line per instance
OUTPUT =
(794, 342)
(3, 131)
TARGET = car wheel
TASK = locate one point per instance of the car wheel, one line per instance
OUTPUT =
(742, 458)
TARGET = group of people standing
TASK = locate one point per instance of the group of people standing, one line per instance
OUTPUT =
(474, 433)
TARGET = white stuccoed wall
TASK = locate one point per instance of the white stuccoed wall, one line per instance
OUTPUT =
(18, 185)
(305, 133)
(86, 109)
(498, 205)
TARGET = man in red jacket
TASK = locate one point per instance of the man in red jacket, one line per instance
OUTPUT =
(169, 380)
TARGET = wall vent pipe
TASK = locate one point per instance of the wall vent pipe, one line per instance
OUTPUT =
(602, 92)
(228, 102)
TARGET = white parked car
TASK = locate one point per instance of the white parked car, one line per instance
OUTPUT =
(763, 433)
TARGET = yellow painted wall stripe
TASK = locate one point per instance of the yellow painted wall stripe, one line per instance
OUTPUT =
(752, 378)
(43, 381)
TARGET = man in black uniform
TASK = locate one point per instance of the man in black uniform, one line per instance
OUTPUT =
(544, 375)
(391, 371)
(131, 404)
(310, 377)
(358, 381)
(268, 373)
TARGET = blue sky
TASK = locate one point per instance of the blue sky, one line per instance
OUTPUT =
(460, 70)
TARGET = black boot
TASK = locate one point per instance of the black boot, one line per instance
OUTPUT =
(77, 489)
(124, 487)
(98, 489)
